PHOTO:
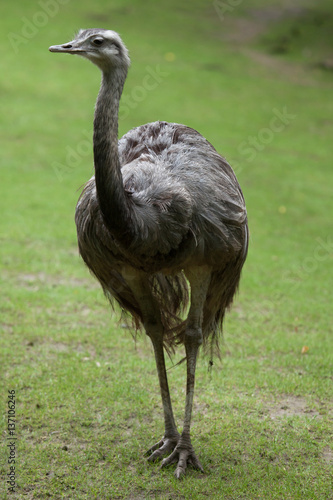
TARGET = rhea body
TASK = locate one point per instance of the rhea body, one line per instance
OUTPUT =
(163, 213)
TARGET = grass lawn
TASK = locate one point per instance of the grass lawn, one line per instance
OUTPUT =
(256, 79)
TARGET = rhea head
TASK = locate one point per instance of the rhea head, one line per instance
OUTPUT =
(102, 47)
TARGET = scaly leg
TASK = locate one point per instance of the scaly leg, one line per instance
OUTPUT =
(183, 454)
(154, 329)
(171, 435)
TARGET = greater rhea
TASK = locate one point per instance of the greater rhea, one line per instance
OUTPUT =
(163, 214)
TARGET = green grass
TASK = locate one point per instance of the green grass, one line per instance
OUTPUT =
(87, 398)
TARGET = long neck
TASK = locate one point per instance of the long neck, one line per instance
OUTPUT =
(109, 183)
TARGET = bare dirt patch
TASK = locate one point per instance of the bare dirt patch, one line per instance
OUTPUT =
(37, 280)
(243, 30)
(280, 31)
(328, 455)
(291, 406)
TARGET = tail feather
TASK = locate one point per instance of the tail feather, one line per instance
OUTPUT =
(171, 293)
(223, 287)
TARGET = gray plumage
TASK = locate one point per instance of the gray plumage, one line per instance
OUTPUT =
(164, 209)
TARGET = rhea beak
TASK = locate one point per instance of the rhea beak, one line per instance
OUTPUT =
(66, 48)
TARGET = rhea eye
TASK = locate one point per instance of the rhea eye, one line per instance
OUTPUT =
(98, 41)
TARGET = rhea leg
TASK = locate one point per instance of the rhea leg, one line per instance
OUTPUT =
(199, 279)
(154, 329)
(171, 435)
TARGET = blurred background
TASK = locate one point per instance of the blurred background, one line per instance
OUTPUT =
(255, 78)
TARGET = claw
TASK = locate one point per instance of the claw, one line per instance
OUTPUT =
(171, 459)
(195, 462)
(184, 458)
(179, 473)
(182, 463)
(154, 447)
(163, 447)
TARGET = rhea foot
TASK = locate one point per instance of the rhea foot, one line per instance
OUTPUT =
(163, 447)
(184, 455)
